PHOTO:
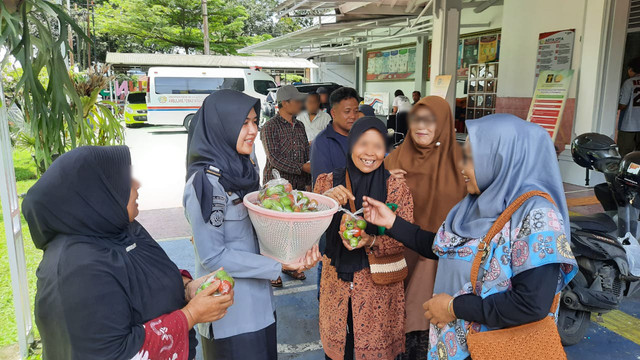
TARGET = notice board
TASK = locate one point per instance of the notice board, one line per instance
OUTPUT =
(392, 64)
(549, 99)
(555, 50)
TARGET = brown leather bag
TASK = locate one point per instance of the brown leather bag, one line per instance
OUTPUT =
(534, 341)
(385, 270)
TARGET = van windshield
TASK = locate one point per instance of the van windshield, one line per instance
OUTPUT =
(196, 85)
(263, 86)
(137, 98)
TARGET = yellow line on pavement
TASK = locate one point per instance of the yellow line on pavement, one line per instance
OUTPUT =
(620, 323)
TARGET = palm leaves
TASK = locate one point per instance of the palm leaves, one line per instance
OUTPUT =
(59, 114)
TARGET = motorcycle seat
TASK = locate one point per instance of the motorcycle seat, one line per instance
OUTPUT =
(600, 222)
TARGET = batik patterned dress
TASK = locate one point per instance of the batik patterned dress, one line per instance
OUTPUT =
(538, 240)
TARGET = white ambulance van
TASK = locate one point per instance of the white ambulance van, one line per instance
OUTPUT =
(174, 94)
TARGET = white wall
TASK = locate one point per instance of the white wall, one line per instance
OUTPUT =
(339, 73)
(522, 22)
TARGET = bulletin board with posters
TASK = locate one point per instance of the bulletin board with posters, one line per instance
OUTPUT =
(478, 48)
(397, 63)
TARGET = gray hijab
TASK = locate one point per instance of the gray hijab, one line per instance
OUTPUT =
(511, 157)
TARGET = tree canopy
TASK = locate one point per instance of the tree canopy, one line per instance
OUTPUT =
(170, 26)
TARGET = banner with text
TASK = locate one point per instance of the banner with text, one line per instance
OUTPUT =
(549, 98)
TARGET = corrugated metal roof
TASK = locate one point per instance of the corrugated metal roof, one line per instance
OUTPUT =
(268, 62)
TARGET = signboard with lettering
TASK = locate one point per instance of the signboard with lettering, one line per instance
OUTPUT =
(549, 99)
(555, 50)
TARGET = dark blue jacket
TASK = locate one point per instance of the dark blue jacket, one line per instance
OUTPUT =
(328, 152)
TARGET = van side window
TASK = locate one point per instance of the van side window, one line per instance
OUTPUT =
(196, 85)
(262, 86)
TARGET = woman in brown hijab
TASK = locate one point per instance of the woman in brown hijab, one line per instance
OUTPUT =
(427, 159)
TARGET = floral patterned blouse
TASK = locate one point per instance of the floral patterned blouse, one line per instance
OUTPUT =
(539, 240)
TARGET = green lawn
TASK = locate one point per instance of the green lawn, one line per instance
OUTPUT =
(26, 176)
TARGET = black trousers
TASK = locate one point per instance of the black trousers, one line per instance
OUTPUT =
(628, 142)
(257, 345)
(349, 344)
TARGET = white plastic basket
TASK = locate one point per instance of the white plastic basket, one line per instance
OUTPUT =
(288, 236)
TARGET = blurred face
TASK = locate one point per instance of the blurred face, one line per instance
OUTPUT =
(415, 96)
(132, 206)
(324, 98)
(422, 126)
(344, 114)
(368, 152)
(293, 107)
(312, 104)
(466, 168)
(248, 133)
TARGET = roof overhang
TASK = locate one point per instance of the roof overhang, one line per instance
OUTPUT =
(124, 60)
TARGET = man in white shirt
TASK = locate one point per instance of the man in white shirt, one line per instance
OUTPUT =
(629, 106)
(401, 103)
(314, 119)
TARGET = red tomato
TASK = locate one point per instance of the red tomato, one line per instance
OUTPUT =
(275, 197)
(225, 287)
(297, 209)
(356, 232)
(288, 188)
(290, 196)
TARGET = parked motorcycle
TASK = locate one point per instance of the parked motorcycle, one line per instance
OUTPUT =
(604, 276)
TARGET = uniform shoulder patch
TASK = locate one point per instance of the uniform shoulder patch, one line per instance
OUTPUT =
(217, 210)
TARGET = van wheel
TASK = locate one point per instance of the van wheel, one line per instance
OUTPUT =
(187, 121)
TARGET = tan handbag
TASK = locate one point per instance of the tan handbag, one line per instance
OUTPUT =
(534, 341)
(385, 270)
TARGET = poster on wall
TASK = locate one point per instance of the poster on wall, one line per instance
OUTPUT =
(379, 101)
(555, 50)
(549, 99)
(440, 86)
(488, 49)
(395, 64)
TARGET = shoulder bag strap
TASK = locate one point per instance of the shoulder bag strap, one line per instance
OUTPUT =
(347, 181)
(483, 246)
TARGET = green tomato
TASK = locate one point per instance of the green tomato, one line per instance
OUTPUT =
(305, 200)
(278, 189)
(277, 206)
(361, 224)
(349, 224)
(285, 201)
(347, 235)
(267, 203)
(288, 208)
(353, 242)
(223, 275)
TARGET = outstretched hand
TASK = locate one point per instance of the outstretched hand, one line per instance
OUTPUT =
(309, 260)
(377, 213)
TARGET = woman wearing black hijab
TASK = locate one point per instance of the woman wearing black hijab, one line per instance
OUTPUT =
(357, 314)
(106, 289)
(220, 172)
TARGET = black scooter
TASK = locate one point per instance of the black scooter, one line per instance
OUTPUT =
(604, 277)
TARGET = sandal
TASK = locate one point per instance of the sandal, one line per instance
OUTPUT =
(277, 283)
(294, 274)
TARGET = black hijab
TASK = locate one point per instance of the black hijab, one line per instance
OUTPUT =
(373, 184)
(101, 277)
(213, 134)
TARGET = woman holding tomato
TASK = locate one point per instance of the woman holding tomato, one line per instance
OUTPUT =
(220, 172)
(358, 316)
